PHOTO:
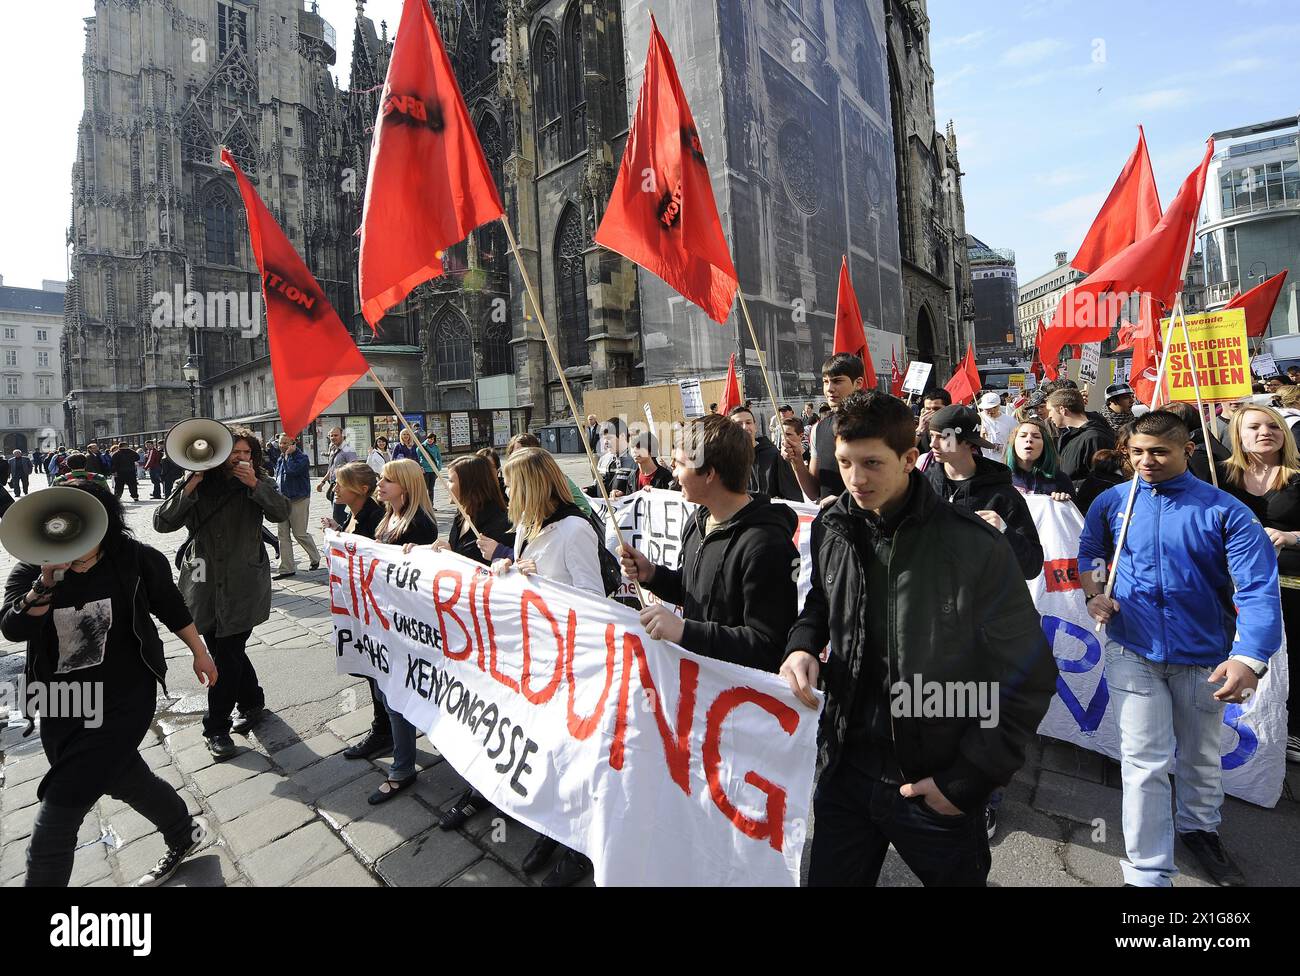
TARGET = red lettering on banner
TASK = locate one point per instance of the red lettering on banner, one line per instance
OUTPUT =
(798, 529)
(1061, 575)
(352, 582)
(500, 676)
(532, 598)
(473, 616)
(581, 728)
(367, 596)
(677, 749)
(444, 609)
(773, 827)
(334, 607)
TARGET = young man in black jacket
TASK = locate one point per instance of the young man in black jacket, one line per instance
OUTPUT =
(736, 581)
(912, 594)
(771, 474)
(1083, 434)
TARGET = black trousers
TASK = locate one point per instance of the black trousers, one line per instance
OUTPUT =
(236, 683)
(856, 818)
(54, 835)
(1291, 625)
(19, 485)
(127, 481)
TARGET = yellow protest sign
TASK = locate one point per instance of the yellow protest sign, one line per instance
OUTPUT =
(1218, 354)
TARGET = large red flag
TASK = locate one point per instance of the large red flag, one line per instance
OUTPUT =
(850, 337)
(661, 213)
(428, 184)
(1036, 365)
(730, 390)
(1259, 302)
(313, 358)
(1146, 353)
(965, 382)
(1129, 214)
(1154, 266)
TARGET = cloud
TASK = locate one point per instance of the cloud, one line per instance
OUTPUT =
(945, 81)
(1031, 52)
(1076, 210)
(1263, 37)
(963, 43)
(1063, 175)
(1158, 100)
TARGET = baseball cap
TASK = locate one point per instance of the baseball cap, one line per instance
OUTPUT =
(963, 422)
(990, 400)
(1118, 390)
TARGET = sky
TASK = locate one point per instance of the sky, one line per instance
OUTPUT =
(1046, 97)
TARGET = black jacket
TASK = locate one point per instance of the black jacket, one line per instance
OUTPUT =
(772, 475)
(146, 574)
(662, 478)
(1077, 445)
(492, 522)
(737, 585)
(368, 519)
(124, 460)
(991, 489)
(1200, 460)
(422, 531)
(959, 612)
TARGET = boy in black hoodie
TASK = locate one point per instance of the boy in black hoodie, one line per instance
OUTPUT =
(736, 582)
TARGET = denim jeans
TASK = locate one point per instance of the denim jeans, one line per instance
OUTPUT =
(856, 818)
(403, 742)
(1158, 706)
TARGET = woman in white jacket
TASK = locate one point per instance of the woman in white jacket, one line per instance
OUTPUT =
(555, 540)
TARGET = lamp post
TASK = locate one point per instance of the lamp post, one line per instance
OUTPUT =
(1250, 272)
(191, 373)
(71, 403)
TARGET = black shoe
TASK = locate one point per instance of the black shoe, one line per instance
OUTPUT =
(315, 566)
(171, 860)
(283, 575)
(1218, 865)
(470, 803)
(991, 821)
(247, 720)
(571, 869)
(536, 858)
(222, 747)
(375, 744)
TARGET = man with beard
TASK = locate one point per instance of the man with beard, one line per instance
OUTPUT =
(1119, 406)
(770, 475)
(226, 576)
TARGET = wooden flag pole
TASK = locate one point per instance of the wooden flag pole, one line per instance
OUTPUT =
(420, 446)
(568, 393)
(762, 362)
(1196, 387)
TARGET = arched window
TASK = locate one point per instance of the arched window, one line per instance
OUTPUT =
(219, 227)
(575, 89)
(550, 96)
(452, 351)
(491, 237)
(496, 348)
(571, 288)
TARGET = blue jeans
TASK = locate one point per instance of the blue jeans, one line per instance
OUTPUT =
(403, 742)
(1159, 706)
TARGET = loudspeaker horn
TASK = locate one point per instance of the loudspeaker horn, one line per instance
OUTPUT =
(53, 525)
(199, 444)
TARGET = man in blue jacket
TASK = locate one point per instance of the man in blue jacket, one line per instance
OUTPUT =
(293, 479)
(1176, 649)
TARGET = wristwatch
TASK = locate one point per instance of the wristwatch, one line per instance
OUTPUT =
(1259, 667)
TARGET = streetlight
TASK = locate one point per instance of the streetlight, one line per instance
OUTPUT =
(71, 403)
(191, 373)
(1250, 272)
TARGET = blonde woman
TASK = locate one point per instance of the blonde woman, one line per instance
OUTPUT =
(555, 540)
(406, 447)
(1263, 473)
(354, 489)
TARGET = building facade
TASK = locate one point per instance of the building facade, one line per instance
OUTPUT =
(1250, 217)
(31, 397)
(993, 280)
(1038, 297)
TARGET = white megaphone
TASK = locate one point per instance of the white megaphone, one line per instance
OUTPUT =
(199, 444)
(54, 525)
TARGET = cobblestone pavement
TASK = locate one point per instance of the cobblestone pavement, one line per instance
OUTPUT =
(290, 810)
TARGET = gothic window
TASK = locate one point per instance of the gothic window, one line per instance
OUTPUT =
(491, 237)
(571, 288)
(219, 228)
(496, 348)
(452, 351)
(575, 89)
(196, 140)
(618, 68)
(232, 28)
(550, 96)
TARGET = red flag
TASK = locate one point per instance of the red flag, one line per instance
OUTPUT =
(1036, 365)
(850, 337)
(1154, 265)
(1129, 214)
(1259, 302)
(896, 376)
(730, 390)
(313, 358)
(661, 213)
(965, 382)
(428, 184)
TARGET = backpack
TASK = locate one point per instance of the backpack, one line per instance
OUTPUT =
(611, 570)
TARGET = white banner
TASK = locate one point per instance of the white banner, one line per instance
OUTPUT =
(664, 767)
(1254, 734)
(917, 374)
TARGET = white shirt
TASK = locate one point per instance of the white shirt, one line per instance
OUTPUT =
(565, 551)
(996, 430)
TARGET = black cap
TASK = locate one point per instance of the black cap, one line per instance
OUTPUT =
(963, 422)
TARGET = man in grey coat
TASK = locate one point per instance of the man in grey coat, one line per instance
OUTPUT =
(226, 576)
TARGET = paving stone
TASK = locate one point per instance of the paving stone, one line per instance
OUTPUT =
(18, 824)
(13, 860)
(387, 825)
(342, 872)
(34, 768)
(211, 867)
(293, 856)
(265, 824)
(156, 757)
(1076, 799)
(1072, 760)
(439, 785)
(487, 873)
(21, 795)
(433, 858)
(135, 859)
(221, 775)
(191, 735)
(194, 758)
(504, 838)
(89, 865)
(328, 775)
(128, 826)
(305, 753)
(354, 724)
(348, 802)
(242, 798)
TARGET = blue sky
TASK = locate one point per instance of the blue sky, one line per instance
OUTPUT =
(1046, 97)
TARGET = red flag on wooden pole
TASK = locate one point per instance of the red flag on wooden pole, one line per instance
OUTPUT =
(896, 376)
(1129, 214)
(850, 336)
(429, 185)
(965, 382)
(313, 358)
(1259, 302)
(731, 389)
(661, 213)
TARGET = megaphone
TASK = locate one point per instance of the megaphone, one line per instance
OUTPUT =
(54, 525)
(199, 444)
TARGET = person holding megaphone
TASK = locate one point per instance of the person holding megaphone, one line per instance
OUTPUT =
(88, 624)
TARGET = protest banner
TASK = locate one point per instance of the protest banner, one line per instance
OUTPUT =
(1219, 355)
(692, 399)
(1264, 365)
(1254, 733)
(1089, 360)
(917, 374)
(663, 767)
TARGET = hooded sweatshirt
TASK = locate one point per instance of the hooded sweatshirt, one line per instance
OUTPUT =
(990, 488)
(736, 584)
(1077, 445)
